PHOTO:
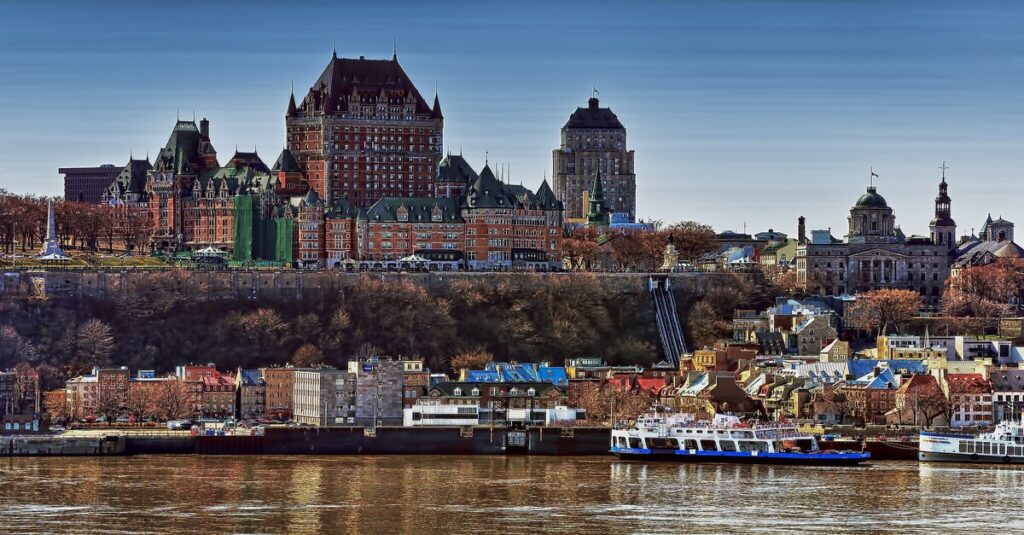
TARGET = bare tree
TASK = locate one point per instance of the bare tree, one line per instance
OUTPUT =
(26, 384)
(94, 343)
(110, 399)
(139, 400)
(55, 402)
(307, 356)
(606, 405)
(172, 400)
(879, 309)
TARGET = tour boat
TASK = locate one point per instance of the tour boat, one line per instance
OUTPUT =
(679, 438)
(1004, 444)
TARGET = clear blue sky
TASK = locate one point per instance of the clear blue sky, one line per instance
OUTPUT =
(739, 112)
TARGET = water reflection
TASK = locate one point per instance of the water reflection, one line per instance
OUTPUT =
(495, 495)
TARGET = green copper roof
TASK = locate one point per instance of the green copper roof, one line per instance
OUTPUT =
(871, 199)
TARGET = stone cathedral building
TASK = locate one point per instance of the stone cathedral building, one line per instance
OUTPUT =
(876, 254)
(593, 142)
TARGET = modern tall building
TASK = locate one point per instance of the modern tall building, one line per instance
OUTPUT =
(86, 184)
(593, 141)
(364, 132)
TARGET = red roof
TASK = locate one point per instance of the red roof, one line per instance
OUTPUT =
(963, 383)
(652, 384)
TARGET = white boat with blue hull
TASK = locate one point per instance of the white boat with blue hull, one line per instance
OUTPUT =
(1004, 445)
(679, 439)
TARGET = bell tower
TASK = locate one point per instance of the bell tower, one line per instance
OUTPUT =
(942, 227)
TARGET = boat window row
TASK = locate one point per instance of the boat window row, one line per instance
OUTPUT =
(717, 432)
(990, 448)
(706, 444)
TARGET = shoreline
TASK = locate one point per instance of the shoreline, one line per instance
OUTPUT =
(385, 440)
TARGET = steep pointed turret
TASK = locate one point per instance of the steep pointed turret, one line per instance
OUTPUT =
(598, 214)
(435, 112)
(546, 198)
(291, 106)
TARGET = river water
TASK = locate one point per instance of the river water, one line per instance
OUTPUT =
(193, 494)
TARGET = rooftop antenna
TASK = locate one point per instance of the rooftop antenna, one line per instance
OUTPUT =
(486, 153)
(943, 167)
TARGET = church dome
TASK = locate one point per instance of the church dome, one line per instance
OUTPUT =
(871, 199)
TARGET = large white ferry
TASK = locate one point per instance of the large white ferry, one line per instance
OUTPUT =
(681, 439)
(1004, 444)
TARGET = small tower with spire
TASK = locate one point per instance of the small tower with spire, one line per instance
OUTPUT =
(292, 110)
(942, 227)
(598, 213)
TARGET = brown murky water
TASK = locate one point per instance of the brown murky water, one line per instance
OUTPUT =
(191, 494)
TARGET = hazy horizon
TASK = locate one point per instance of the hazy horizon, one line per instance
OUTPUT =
(740, 112)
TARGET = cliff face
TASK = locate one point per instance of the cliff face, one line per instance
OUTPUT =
(160, 319)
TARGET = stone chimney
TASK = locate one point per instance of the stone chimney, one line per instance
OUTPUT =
(204, 128)
(801, 230)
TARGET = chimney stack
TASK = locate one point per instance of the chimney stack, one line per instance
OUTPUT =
(204, 128)
(801, 230)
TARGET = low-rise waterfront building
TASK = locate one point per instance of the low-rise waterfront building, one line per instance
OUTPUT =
(970, 399)
(218, 396)
(251, 394)
(279, 388)
(324, 396)
(379, 390)
(502, 402)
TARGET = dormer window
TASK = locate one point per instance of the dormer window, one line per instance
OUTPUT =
(531, 392)
(513, 392)
(475, 392)
(457, 392)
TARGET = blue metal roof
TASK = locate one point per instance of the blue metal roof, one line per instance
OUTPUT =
(251, 377)
(496, 372)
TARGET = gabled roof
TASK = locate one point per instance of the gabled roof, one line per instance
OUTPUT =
(546, 197)
(593, 116)
(286, 163)
(1007, 380)
(964, 383)
(181, 153)
(250, 160)
(252, 377)
(455, 168)
(131, 179)
(488, 192)
(885, 380)
(447, 388)
(419, 209)
(362, 79)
